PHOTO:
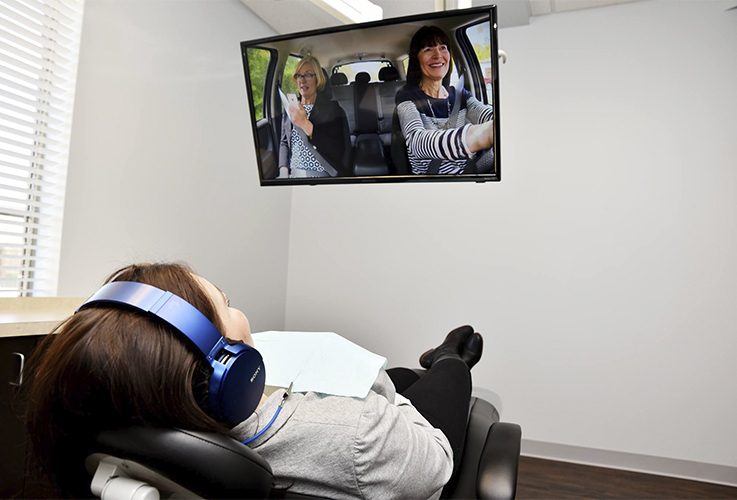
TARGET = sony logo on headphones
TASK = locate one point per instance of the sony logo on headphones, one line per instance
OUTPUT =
(255, 373)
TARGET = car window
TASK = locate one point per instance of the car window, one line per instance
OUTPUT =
(371, 67)
(258, 67)
(288, 85)
(479, 36)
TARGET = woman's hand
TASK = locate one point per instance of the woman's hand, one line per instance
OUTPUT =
(299, 117)
(480, 137)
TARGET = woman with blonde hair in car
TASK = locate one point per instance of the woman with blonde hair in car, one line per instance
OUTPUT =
(315, 140)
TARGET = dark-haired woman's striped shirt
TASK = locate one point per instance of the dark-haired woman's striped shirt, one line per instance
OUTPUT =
(423, 118)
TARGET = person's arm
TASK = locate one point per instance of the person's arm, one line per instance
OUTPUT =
(477, 112)
(325, 126)
(454, 144)
(383, 386)
(397, 453)
(330, 136)
(299, 118)
(480, 137)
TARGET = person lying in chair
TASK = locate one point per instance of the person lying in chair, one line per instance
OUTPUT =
(160, 346)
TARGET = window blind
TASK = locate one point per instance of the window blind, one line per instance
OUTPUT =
(39, 49)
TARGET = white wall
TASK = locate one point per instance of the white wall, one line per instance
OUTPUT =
(161, 162)
(601, 269)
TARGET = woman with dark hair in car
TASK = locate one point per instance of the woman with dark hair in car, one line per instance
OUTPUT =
(315, 140)
(110, 366)
(440, 138)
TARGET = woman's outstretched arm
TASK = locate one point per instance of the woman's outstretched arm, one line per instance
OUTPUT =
(454, 144)
(477, 112)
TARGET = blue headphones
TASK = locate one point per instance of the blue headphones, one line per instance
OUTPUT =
(238, 373)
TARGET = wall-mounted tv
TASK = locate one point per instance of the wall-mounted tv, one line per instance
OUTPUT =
(400, 100)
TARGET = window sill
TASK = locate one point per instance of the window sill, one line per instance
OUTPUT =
(34, 315)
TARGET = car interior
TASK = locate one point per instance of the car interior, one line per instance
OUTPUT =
(364, 74)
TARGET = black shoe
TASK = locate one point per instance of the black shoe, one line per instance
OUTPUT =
(452, 347)
(472, 349)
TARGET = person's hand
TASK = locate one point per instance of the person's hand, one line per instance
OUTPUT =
(480, 137)
(297, 114)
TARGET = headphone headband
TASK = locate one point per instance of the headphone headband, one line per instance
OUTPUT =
(171, 308)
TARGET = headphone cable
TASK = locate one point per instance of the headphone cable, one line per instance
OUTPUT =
(273, 419)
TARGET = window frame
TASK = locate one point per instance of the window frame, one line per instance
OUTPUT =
(270, 69)
(469, 53)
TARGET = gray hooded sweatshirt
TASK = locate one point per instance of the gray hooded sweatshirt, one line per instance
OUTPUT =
(340, 447)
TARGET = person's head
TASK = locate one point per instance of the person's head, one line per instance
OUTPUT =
(308, 77)
(429, 57)
(108, 366)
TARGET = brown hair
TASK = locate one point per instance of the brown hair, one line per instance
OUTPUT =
(107, 367)
(311, 60)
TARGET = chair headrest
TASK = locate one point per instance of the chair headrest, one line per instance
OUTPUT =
(363, 77)
(338, 79)
(209, 464)
(388, 74)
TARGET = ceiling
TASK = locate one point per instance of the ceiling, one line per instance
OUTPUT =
(289, 16)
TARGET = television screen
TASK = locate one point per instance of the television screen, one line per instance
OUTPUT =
(400, 100)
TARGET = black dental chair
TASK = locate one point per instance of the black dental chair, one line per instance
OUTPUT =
(141, 463)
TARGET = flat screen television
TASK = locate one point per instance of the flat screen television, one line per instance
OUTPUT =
(400, 100)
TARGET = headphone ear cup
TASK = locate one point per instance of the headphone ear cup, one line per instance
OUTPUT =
(237, 383)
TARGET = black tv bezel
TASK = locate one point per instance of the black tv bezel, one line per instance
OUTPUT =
(495, 177)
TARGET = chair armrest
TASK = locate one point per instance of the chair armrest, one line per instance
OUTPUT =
(488, 467)
(497, 476)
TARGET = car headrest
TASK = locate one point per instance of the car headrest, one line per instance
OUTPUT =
(327, 90)
(388, 74)
(338, 79)
(363, 77)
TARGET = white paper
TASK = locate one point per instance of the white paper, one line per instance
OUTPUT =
(318, 361)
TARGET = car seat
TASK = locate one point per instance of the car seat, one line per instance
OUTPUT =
(343, 95)
(368, 156)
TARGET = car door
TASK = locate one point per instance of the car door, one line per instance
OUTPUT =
(261, 64)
